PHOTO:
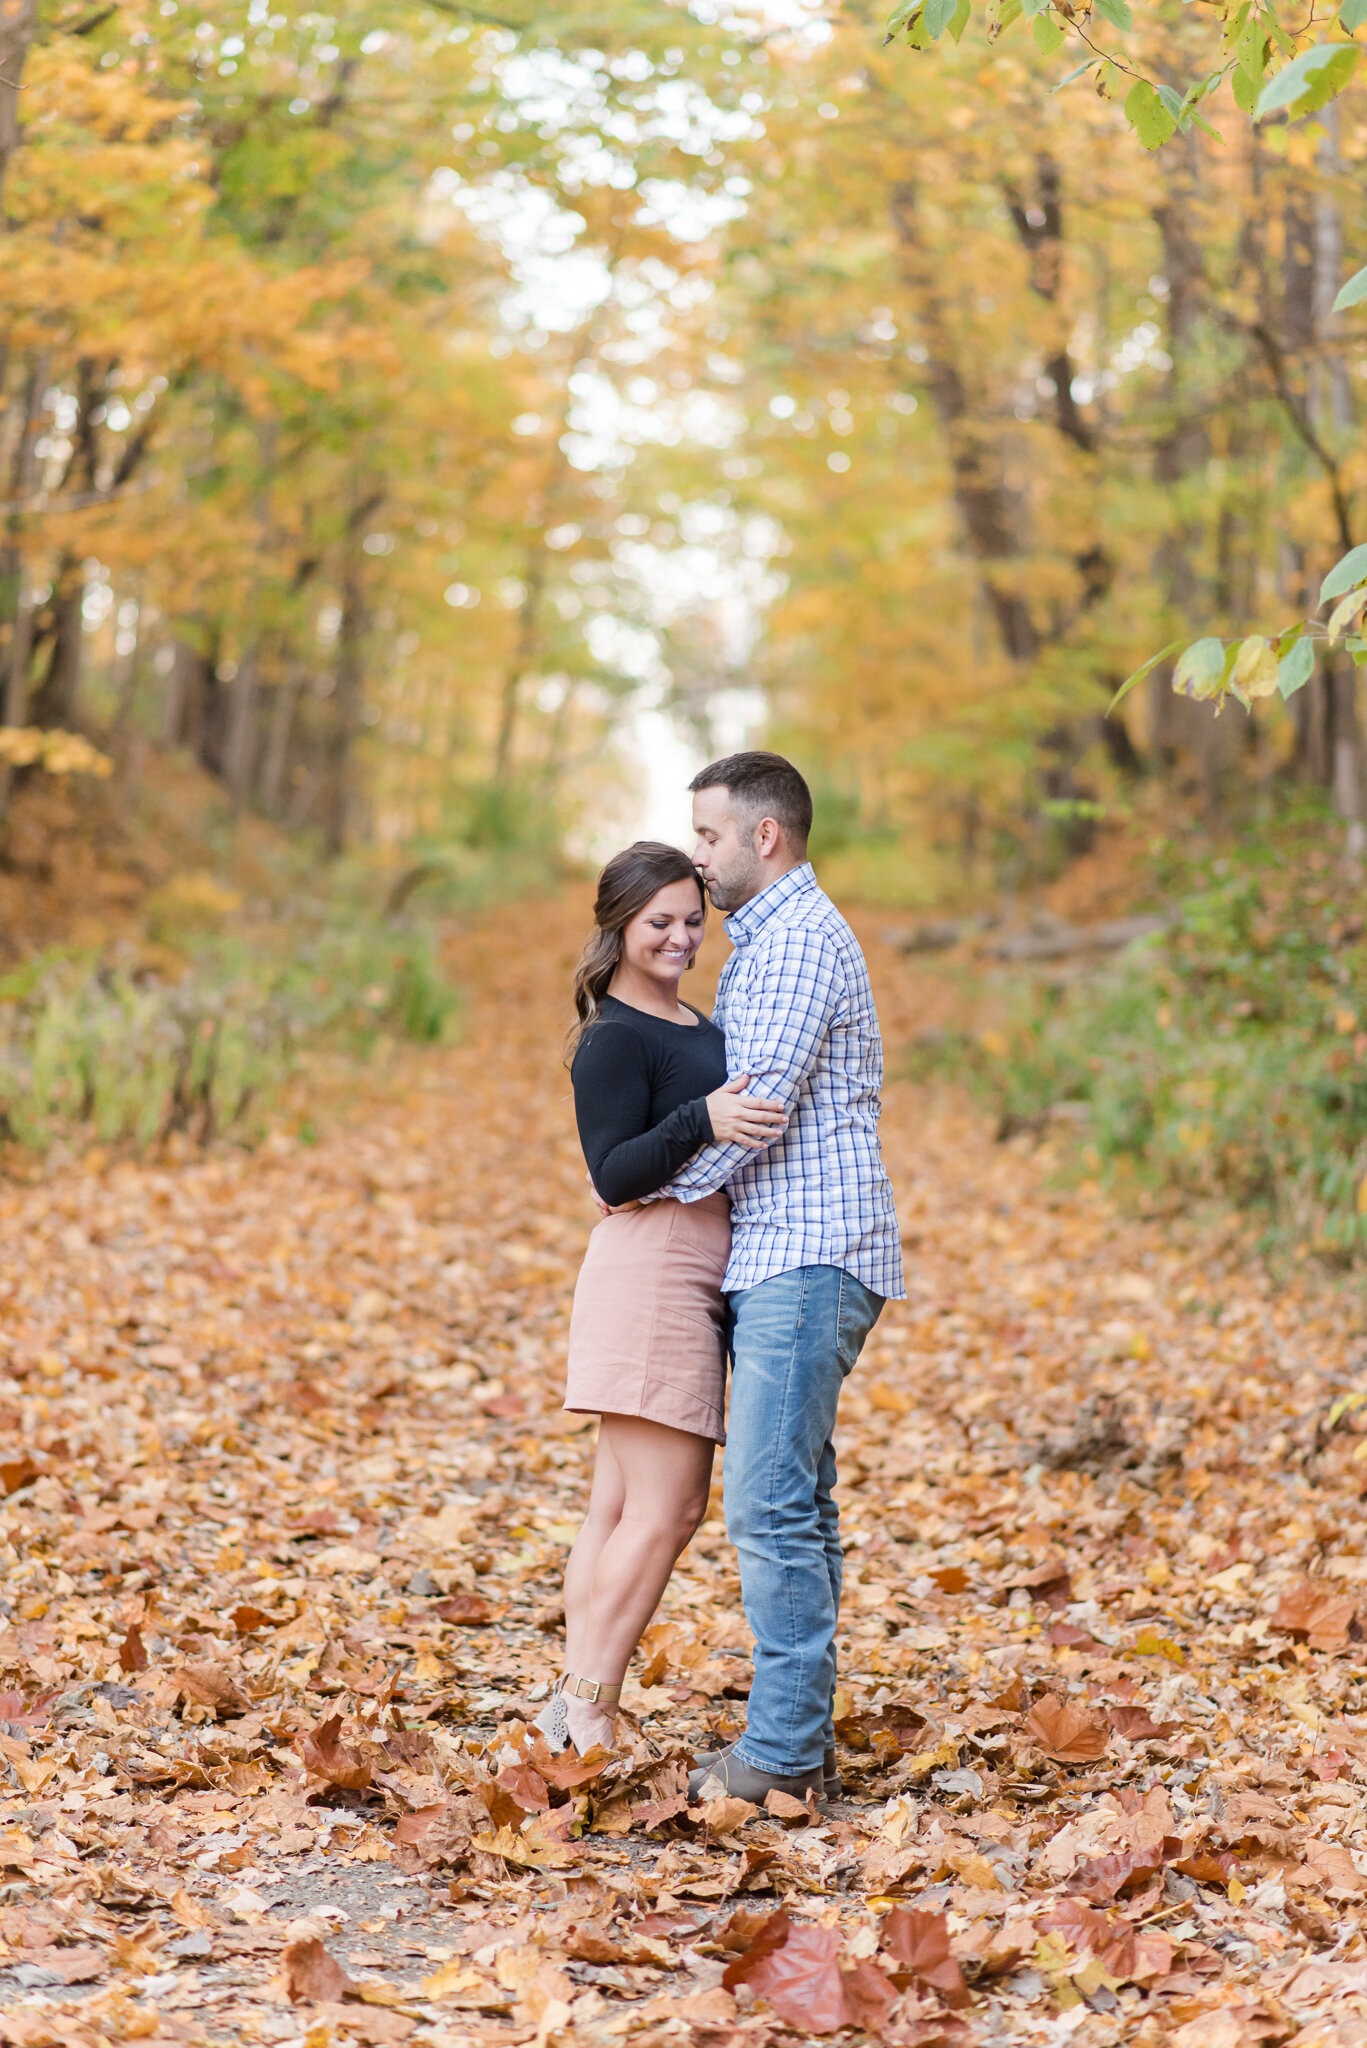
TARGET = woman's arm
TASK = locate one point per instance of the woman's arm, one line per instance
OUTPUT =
(626, 1157)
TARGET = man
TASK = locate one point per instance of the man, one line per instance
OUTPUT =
(815, 1251)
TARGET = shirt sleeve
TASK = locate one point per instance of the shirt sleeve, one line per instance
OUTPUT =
(775, 1036)
(627, 1157)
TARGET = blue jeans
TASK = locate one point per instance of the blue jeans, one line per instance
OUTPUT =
(793, 1340)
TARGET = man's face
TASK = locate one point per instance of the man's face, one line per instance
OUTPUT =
(725, 855)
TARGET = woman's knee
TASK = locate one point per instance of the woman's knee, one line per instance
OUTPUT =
(668, 1521)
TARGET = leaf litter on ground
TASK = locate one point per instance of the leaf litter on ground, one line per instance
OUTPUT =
(289, 1491)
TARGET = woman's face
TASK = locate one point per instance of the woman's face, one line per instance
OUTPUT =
(660, 940)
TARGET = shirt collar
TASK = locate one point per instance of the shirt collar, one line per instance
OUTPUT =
(749, 921)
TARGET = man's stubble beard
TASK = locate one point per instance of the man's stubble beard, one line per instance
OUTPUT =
(728, 891)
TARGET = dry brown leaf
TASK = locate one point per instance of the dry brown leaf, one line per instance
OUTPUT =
(312, 1976)
(466, 1610)
(917, 1944)
(1311, 1610)
(212, 1685)
(322, 1751)
(725, 1815)
(16, 1473)
(1065, 1731)
(132, 1651)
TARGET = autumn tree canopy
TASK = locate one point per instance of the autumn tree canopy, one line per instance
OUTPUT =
(394, 401)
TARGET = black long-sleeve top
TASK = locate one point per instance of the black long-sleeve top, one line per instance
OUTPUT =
(639, 1085)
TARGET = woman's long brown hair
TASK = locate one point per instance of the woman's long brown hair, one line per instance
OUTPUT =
(625, 887)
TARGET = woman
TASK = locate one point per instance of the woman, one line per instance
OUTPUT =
(647, 1343)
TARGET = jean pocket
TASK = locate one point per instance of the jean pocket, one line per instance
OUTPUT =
(858, 1311)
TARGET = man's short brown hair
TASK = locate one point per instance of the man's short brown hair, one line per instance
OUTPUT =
(764, 786)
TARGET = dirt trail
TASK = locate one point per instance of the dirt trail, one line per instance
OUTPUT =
(282, 1443)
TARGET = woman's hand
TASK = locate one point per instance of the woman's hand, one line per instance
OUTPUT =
(739, 1120)
(606, 1208)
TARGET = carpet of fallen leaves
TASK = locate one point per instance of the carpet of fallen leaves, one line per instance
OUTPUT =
(288, 1490)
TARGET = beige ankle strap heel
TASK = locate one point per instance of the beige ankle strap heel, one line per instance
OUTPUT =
(591, 1689)
(553, 1721)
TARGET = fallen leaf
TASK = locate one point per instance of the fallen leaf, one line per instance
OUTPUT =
(1111, 1877)
(723, 1816)
(796, 1968)
(918, 1943)
(1208, 1868)
(1066, 1732)
(1136, 1724)
(312, 1976)
(132, 1651)
(782, 1807)
(322, 1752)
(1310, 1610)
(212, 1685)
(247, 1620)
(16, 1473)
(467, 1610)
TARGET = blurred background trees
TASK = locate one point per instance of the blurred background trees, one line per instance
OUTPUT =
(400, 403)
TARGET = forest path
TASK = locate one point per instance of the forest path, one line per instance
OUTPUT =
(266, 1411)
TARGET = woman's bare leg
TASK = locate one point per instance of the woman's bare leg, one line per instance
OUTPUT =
(606, 1498)
(650, 1488)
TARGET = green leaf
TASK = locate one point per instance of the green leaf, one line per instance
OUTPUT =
(1252, 52)
(1352, 14)
(1309, 81)
(1142, 671)
(937, 17)
(1034, 7)
(1048, 34)
(1279, 36)
(1200, 670)
(1149, 115)
(1296, 666)
(1355, 291)
(1245, 90)
(1076, 72)
(1234, 27)
(958, 21)
(900, 20)
(1172, 100)
(1117, 12)
(1346, 574)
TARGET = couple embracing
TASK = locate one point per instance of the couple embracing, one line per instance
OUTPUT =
(746, 1213)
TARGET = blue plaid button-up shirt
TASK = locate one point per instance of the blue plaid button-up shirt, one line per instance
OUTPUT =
(795, 1003)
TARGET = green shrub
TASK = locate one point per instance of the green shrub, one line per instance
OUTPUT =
(132, 1057)
(1226, 1059)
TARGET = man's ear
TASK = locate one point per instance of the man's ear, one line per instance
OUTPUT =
(768, 832)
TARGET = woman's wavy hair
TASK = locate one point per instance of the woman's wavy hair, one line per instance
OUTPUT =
(625, 887)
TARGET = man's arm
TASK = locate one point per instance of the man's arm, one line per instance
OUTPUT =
(774, 1035)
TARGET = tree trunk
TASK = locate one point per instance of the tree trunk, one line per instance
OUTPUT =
(14, 568)
(56, 702)
(524, 657)
(346, 695)
(1349, 792)
(1331, 401)
(276, 756)
(240, 751)
(1179, 729)
(18, 22)
(989, 509)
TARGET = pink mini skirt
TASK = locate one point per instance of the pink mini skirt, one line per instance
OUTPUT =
(647, 1333)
